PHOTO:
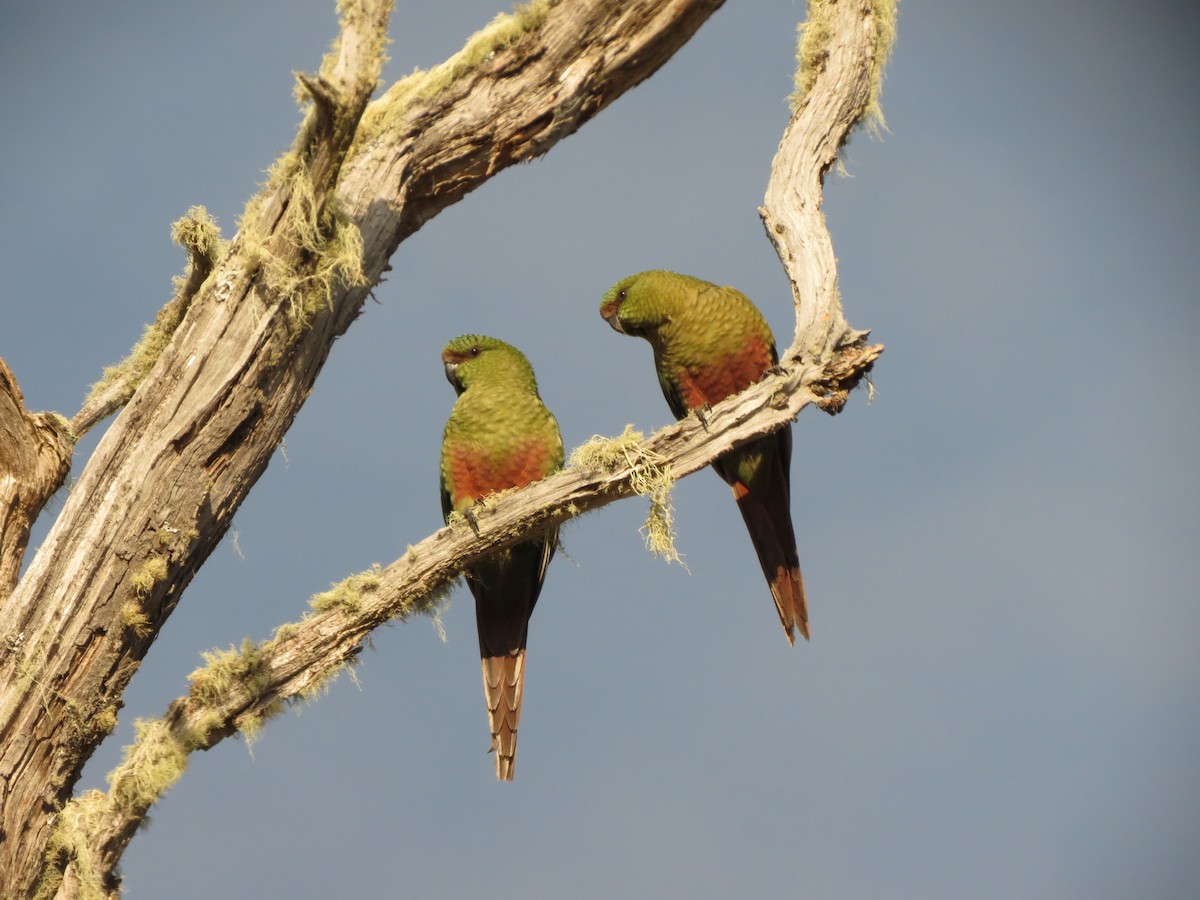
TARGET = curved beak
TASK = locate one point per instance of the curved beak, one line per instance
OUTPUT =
(609, 312)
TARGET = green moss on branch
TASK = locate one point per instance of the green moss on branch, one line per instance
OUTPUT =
(650, 476)
(196, 232)
(813, 52)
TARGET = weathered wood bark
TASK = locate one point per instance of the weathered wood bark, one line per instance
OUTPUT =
(35, 454)
(843, 50)
(165, 481)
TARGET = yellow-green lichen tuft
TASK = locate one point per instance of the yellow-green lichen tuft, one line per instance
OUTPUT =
(285, 632)
(885, 23)
(197, 233)
(153, 763)
(436, 612)
(316, 247)
(605, 453)
(153, 570)
(503, 31)
(251, 724)
(199, 728)
(301, 244)
(352, 18)
(69, 843)
(131, 371)
(650, 476)
(134, 617)
(812, 48)
(87, 726)
(813, 51)
(431, 603)
(348, 593)
(229, 670)
(103, 722)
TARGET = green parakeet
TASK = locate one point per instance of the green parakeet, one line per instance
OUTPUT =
(711, 342)
(499, 436)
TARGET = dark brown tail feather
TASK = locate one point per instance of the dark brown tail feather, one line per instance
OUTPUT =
(769, 521)
(503, 686)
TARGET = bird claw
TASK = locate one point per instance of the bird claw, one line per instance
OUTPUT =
(702, 414)
(472, 520)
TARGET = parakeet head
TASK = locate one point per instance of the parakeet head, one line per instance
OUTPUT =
(640, 304)
(677, 312)
(471, 358)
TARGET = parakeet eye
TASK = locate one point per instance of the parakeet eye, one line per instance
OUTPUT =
(622, 294)
(473, 352)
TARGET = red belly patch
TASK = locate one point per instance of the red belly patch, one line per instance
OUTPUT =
(713, 383)
(474, 475)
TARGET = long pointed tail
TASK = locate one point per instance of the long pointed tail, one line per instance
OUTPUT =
(787, 590)
(769, 521)
(503, 686)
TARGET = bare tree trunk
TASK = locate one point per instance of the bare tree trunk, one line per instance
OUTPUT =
(244, 342)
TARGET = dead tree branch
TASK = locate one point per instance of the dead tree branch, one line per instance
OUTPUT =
(843, 48)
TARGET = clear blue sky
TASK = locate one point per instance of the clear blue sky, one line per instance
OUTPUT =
(1000, 698)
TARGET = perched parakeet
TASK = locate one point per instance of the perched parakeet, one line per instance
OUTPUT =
(711, 342)
(499, 436)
